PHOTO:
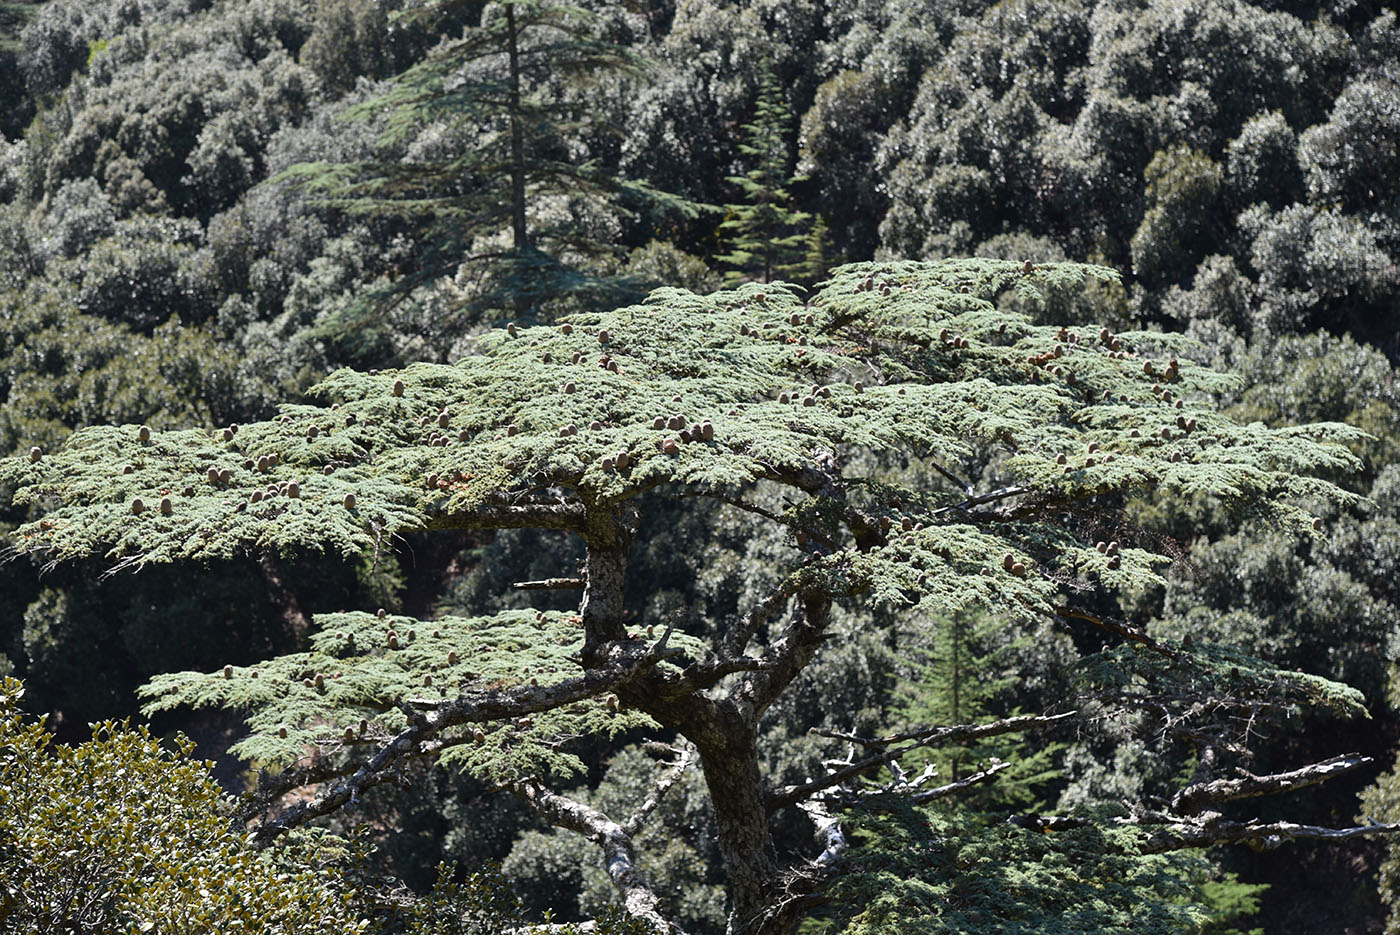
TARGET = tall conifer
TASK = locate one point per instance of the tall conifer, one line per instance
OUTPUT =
(493, 202)
(766, 238)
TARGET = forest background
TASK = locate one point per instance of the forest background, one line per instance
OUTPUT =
(1239, 163)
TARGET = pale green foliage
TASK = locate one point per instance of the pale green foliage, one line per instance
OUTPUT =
(122, 834)
(366, 664)
(924, 397)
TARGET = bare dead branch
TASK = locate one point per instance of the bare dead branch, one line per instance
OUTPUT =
(1198, 795)
(992, 496)
(633, 824)
(1261, 835)
(550, 584)
(892, 748)
(961, 785)
(619, 855)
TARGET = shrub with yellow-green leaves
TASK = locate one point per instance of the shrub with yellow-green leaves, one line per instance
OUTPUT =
(123, 834)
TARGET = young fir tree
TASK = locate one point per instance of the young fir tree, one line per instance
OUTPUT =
(765, 237)
(962, 670)
(583, 426)
(496, 201)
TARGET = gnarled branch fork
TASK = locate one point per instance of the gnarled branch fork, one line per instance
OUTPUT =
(619, 854)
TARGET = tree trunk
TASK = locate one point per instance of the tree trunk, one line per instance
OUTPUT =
(517, 138)
(729, 759)
(607, 540)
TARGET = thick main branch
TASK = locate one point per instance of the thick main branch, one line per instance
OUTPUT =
(470, 707)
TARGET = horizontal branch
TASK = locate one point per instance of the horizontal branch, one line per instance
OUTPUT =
(1198, 795)
(1262, 835)
(550, 584)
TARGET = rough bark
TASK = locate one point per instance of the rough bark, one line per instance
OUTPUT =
(607, 537)
(729, 760)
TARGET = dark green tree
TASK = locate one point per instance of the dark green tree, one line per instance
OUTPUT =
(764, 235)
(489, 157)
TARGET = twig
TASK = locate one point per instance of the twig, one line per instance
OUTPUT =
(1000, 493)
(549, 584)
(952, 788)
(962, 484)
(633, 824)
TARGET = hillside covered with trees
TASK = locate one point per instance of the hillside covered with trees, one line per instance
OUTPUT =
(717, 508)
